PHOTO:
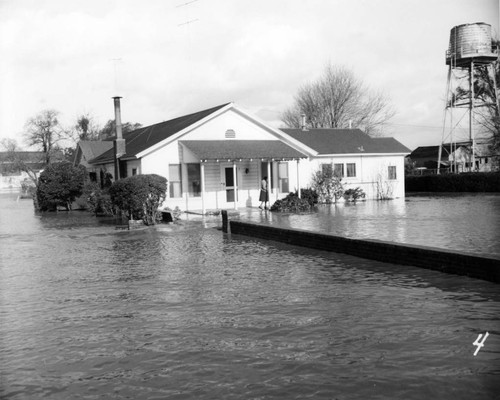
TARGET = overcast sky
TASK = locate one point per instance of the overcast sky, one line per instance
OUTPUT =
(168, 58)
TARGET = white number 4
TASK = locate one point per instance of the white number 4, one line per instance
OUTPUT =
(478, 343)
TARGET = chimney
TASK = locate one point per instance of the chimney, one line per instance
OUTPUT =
(118, 118)
(119, 142)
(303, 122)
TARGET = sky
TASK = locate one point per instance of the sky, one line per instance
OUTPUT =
(169, 58)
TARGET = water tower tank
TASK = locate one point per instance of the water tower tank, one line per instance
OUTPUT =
(470, 41)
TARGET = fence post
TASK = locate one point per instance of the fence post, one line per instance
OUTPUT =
(226, 228)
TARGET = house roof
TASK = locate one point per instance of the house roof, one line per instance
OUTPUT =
(241, 149)
(433, 151)
(25, 156)
(346, 141)
(143, 138)
(93, 148)
(36, 160)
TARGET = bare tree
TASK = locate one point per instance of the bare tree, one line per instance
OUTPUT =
(44, 131)
(338, 100)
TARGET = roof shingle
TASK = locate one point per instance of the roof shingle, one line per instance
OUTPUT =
(143, 138)
(241, 149)
(345, 141)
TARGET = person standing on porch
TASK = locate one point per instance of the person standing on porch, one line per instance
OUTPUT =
(264, 193)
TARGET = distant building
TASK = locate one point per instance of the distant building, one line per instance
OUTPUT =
(11, 175)
(455, 157)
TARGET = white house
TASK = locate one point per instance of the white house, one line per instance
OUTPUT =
(376, 165)
(217, 157)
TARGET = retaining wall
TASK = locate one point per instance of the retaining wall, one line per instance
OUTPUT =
(486, 268)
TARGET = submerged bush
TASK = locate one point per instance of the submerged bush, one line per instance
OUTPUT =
(139, 196)
(354, 194)
(291, 203)
(327, 185)
(59, 184)
(97, 199)
(310, 196)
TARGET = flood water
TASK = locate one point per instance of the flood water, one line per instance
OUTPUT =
(186, 312)
(463, 222)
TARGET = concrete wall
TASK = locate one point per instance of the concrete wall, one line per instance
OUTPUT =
(485, 268)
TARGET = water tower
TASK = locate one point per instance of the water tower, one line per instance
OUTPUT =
(470, 48)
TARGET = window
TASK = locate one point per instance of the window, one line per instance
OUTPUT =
(283, 177)
(174, 180)
(194, 180)
(392, 172)
(351, 170)
(134, 171)
(338, 170)
(326, 168)
(93, 176)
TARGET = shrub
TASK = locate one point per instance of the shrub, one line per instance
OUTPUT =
(354, 194)
(28, 189)
(291, 203)
(465, 182)
(59, 184)
(310, 196)
(139, 196)
(327, 186)
(97, 200)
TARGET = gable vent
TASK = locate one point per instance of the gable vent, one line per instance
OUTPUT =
(230, 134)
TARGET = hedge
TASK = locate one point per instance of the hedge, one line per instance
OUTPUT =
(465, 182)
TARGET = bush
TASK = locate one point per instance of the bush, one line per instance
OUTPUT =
(354, 194)
(327, 186)
(59, 184)
(97, 200)
(139, 196)
(310, 196)
(466, 182)
(291, 203)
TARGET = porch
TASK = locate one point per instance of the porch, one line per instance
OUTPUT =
(228, 174)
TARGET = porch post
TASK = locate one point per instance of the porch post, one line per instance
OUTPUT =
(203, 188)
(235, 186)
(298, 177)
(270, 184)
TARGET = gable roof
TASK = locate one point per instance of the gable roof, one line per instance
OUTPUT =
(241, 149)
(93, 148)
(346, 141)
(146, 137)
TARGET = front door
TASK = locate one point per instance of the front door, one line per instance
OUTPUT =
(231, 185)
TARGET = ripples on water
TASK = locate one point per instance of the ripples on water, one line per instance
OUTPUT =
(184, 312)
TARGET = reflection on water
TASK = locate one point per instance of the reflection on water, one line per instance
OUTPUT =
(468, 223)
(187, 312)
